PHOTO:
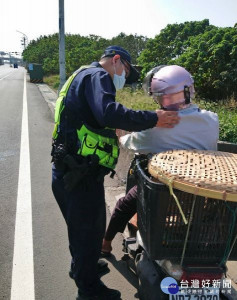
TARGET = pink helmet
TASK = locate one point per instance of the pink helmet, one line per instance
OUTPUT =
(171, 79)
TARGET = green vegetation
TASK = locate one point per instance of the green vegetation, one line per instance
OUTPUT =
(53, 81)
(212, 59)
(136, 100)
(173, 41)
(208, 52)
(80, 50)
(227, 113)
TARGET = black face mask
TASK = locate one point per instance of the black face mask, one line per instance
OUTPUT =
(173, 107)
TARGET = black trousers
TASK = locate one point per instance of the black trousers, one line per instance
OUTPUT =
(125, 209)
(84, 212)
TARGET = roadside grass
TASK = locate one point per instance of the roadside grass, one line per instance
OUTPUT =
(227, 113)
(52, 81)
(137, 100)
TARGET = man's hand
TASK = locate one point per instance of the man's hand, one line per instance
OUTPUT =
(167, 119)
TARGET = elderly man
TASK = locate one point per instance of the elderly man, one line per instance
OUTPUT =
(172, 87)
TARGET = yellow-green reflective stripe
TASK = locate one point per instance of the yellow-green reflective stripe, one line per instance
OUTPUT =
(58, 109)
(115, 151)
(84, 130)
(55, 130)
(59, 103)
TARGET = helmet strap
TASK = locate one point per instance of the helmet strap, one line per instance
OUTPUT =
(154, 71)
(186, 94)
(149, 85)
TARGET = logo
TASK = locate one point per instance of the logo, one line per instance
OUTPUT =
(169, 286)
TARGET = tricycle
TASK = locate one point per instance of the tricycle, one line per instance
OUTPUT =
(176, 260)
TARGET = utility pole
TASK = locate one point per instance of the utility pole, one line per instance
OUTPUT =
(24, 40)
(10, 59)
(62, 71)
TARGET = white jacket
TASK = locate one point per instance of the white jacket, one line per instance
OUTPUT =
(197, 129)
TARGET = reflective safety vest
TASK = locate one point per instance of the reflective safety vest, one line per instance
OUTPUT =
(102, 142)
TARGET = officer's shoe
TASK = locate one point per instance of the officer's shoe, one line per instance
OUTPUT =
(104, 293)
(102, 267)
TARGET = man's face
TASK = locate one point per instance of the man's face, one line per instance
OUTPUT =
(166, 100)
(120, 65)
(126, 67)
(170, 99)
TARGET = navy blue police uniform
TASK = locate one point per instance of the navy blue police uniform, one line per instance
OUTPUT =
(91, 100)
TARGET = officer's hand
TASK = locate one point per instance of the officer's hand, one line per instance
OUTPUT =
(167, 119)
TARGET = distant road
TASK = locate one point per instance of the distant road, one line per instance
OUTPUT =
(5, 71)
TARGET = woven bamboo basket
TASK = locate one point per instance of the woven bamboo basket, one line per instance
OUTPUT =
(211, 174)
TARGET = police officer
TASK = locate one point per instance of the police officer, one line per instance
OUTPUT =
(85, 149)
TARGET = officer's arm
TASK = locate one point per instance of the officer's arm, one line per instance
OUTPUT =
(100, 94)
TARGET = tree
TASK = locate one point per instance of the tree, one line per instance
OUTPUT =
(172, 41)
(212, 60)
(134, 44)
(80, 50)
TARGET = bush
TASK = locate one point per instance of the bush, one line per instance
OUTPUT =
(227, 113)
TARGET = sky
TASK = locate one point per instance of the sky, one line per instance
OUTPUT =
(105, 18)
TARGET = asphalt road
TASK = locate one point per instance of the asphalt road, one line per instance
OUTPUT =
(44, 276)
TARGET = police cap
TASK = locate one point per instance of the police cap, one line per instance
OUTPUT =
(113, 50)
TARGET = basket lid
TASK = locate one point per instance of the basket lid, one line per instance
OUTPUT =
(210, 174)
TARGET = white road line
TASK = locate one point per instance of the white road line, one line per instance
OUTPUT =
(23, 263)
(5, 76)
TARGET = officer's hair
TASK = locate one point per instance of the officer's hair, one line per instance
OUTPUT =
(105, 58)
